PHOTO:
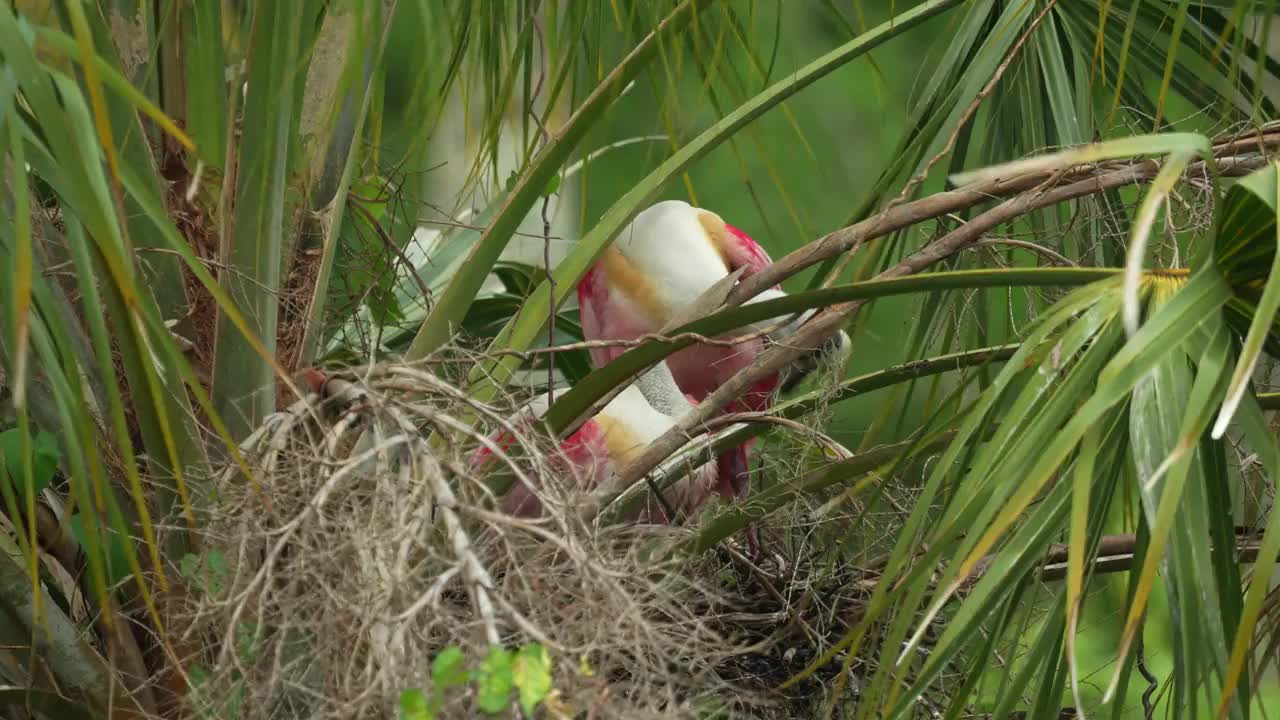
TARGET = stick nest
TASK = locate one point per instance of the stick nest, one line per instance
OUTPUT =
(362, 548)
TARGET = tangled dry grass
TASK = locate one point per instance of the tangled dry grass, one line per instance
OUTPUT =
(366, 551)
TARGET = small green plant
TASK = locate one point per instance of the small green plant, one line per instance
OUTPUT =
(44, 459)
(206, 572)
(14, 495)
(527, 671)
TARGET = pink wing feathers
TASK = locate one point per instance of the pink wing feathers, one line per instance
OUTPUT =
(592, 296)
(607, 315)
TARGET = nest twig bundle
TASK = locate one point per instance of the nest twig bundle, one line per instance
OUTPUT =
(362, 548)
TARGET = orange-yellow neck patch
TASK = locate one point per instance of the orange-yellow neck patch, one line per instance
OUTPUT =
(714, 226)
(623, 276)
(622, 444)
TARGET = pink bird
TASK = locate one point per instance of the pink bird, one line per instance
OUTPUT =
(611, 439)
(661, 263)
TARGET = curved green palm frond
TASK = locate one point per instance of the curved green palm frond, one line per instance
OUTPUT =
(1245, 251)
(1040, 425)
(1090, 404)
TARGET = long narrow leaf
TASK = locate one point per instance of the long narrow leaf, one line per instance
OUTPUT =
(1264, 314)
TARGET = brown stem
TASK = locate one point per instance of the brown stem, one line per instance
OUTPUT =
(1115, 554)
(391, 247)
(902, 216)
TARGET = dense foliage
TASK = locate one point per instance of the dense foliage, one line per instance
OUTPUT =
(270, 271)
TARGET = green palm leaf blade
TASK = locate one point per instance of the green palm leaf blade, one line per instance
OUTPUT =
(1035, 348)
(1248, 236)
(1020, 555)
(1244, 244)
(93, 48)
(1172, 323)
(205, 89)
(1262, 441)
(244, 387)
(68, 128)
(1166, 425)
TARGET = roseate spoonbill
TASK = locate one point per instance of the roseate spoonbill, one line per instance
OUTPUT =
(612, 438)
(661, 263)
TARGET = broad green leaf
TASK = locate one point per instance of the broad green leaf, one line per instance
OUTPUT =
(413, 706)
(448, 669)
(44, 457)
(494, 680)
(532, 676)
